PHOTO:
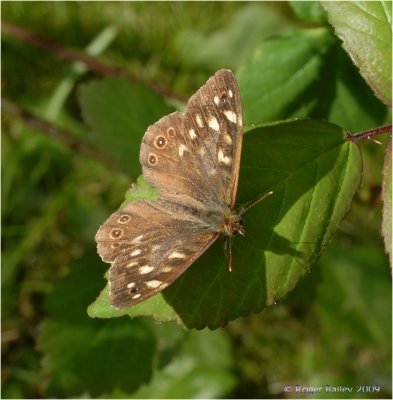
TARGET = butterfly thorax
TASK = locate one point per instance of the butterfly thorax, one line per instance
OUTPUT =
(224, 220)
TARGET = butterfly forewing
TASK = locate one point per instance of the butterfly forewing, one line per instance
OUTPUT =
(193, 159)
(197, 153)
(218, 103)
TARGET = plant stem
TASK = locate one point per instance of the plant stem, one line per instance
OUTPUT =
(370, 134)
(74, 55)
(51, 130)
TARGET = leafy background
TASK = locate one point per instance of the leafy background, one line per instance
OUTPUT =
(333, 328)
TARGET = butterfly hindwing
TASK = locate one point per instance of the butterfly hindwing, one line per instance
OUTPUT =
(145, 261)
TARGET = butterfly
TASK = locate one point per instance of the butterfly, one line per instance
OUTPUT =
(193, 159)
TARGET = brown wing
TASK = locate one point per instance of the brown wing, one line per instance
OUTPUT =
(193, 158)
(149, 245)
(196, 155)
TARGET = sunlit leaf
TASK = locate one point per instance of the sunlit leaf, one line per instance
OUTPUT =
(313, 171)
(365, 28)
(306, 75)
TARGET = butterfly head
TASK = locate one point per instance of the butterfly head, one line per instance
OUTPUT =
(233, 224)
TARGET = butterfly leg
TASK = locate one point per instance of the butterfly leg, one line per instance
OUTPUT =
(228, 251)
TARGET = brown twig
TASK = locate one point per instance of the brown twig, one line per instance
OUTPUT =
(75, 55)
(370, 134)
(51, 130)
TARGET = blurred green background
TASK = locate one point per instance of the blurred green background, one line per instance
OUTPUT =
(334, 328)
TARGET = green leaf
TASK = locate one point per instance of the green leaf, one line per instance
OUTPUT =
(87, 357)
(142, 190)
(387, 201)
(79, 351)
(361, 305)
(229, 45)
(366, 31)
(314, 172)
(306, 74)
(119, 114)
(201, 370)
(309, 10)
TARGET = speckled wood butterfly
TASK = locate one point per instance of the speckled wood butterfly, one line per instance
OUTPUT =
(193, 159)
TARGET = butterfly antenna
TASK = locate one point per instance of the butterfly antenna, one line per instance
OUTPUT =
(254, 202)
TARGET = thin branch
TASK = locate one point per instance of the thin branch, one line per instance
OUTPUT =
(370, 134)
(75, 55)
(52, 130)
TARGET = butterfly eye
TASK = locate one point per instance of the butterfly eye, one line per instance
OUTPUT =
(160, 142)
(152, 159)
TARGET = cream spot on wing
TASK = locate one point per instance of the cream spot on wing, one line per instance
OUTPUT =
(176, 254)
(137, 240)
(230, 93)
(166, 269)
(240, 120)
(182, 149)
(153, 284)
(145, 269)
(222, 158)
(212, 171)
(230, 115)
(198, 120)
(135, 296)
(217, 100)
(227, 138)
(131, 285)
(135, 253)
(192, 134)
(213, 123)
(156, 247)
(201, 151)
(132, 264)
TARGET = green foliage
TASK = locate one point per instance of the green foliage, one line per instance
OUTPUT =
(201, 369)
(124, 351)
(332, 320)
(365, 29)
(287, 75)
(113, 349)
(118, 114)
(387, 200)
(309, 11)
